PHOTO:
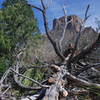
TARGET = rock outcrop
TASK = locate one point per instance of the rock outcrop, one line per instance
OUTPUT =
(87, 38)
(45, 51)
(74, 23)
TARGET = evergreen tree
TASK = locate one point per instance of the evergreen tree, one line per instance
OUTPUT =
(17, 25)
(19, 19)
(12, 2)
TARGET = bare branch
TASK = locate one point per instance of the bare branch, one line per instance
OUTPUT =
(49, 4)
(23, 86)
(85, 50)
(41, 66)
(82, 83)
(77, 39)
(86, 67)
(80, 91)
(73, 51)
(86, 13)
(6, 91)
(4, 76)
(52, 66)
(55, 45)
(35, 7)
(33, 97)
(64, 30)
(28, 78)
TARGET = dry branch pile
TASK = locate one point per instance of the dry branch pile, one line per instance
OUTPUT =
(74, 45)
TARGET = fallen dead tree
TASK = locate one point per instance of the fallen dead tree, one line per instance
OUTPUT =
(56, 86)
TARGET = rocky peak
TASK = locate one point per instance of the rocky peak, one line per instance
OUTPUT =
(75, 23)
(88, 36)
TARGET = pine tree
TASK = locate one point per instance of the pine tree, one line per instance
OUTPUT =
(17, 25)
(19, 19)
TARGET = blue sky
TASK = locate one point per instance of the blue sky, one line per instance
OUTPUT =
(72, 6)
